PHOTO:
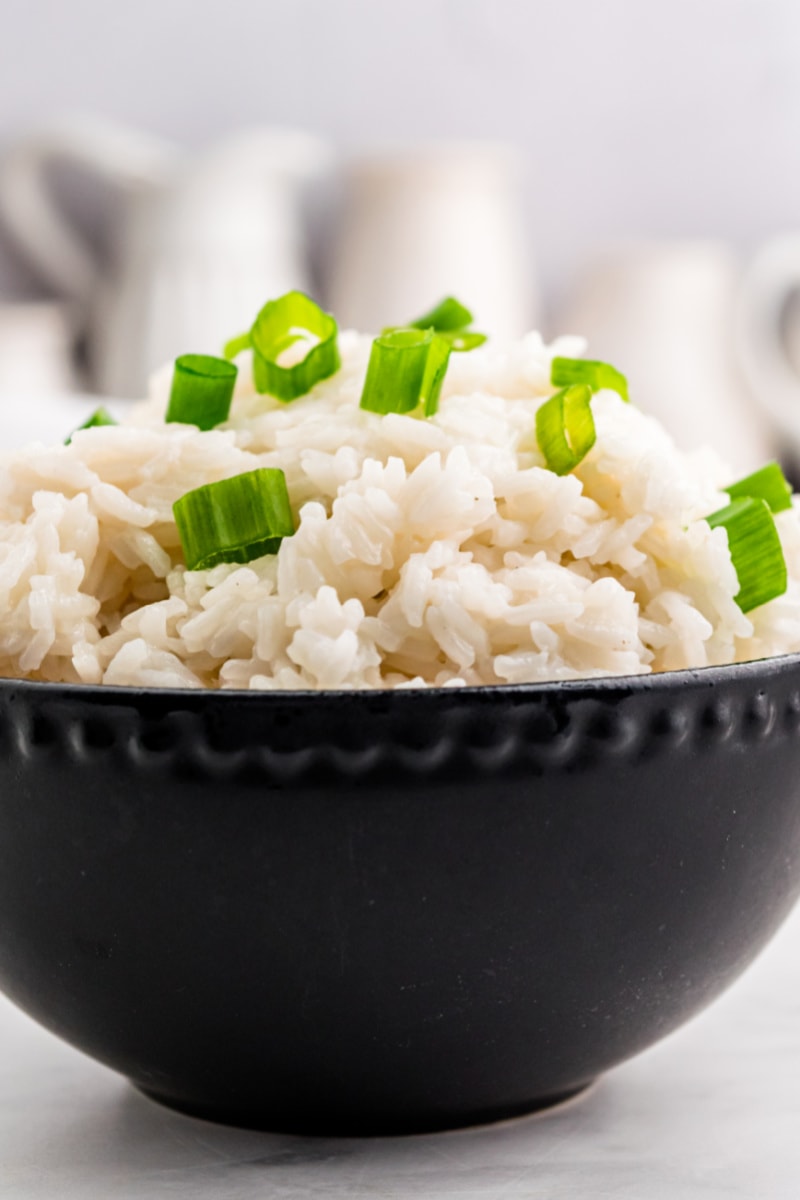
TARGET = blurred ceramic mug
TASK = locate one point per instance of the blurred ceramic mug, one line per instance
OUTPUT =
(440, 220)
(200, 240)
(664, 312)
(36, 347)
(769, 339)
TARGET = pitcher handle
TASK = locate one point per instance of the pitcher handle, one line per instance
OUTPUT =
(767, 286)
(30, 210)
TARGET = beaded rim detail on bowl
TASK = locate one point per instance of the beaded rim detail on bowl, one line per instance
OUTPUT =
(449, 733)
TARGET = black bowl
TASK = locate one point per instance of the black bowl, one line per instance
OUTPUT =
(381, 912)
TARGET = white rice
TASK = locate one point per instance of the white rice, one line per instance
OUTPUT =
(427, 553)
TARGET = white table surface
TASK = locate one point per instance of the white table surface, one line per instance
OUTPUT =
(712, 1112)
(47, 418)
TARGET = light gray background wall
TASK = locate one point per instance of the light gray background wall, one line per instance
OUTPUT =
(635, 116)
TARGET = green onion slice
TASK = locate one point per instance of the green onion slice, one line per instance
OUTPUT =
(596, 375)
(235, 520)
(280, 324)
(755, 550)
(565, 428)
(464, 340)
(450, 320)
(449, 316)
(100, 416)
(435, 371)
(236, 345)
(459, 340)
(202, 390)
(406, 369)
(769, 483)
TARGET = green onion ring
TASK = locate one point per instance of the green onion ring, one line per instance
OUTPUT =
(202, 390)
(234, 520)
(595, 374)
(449, 316)
(769, 483)
(755, 549)
(463, 340)
(565, 428)
(406, 370)
(236, 345)
(450, 320)
(280, 324)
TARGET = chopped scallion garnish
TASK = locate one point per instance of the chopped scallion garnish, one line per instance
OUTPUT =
(100, 416)
(449, 316)
(769, 483)
(202, 390)
(464, 340)
(596, 375)
(236, 345)
(565, 428)
(755, 550)
(280, 324)
(406, 370)
(435, 371)
(234, 520)
(450, 319)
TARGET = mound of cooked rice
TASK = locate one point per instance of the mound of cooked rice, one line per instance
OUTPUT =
(433, 552)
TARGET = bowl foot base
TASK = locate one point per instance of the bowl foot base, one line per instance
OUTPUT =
(314, 1123)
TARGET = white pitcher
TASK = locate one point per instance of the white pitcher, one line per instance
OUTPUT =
(418, 225)
(664, 312)
(202, 241)
(769, 338)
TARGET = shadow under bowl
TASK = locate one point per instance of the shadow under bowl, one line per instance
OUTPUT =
(375, 912)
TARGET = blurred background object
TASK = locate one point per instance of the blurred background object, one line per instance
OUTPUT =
(199, 241)
(444, 219)
(663, 124)
(36, 348)
(768, 337)
(666, 310)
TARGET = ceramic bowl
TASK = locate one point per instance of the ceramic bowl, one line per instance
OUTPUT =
(382, 912)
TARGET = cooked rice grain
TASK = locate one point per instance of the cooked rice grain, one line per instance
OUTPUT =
(427, 553)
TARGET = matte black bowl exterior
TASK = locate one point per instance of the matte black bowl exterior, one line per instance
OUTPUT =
(362, 912)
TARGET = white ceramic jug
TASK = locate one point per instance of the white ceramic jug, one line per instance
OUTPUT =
(664, 312)
(36, 339)
(201, 241)
(418, 225)
(769, 338)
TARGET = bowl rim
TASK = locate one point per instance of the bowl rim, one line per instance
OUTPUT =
(752, 670)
